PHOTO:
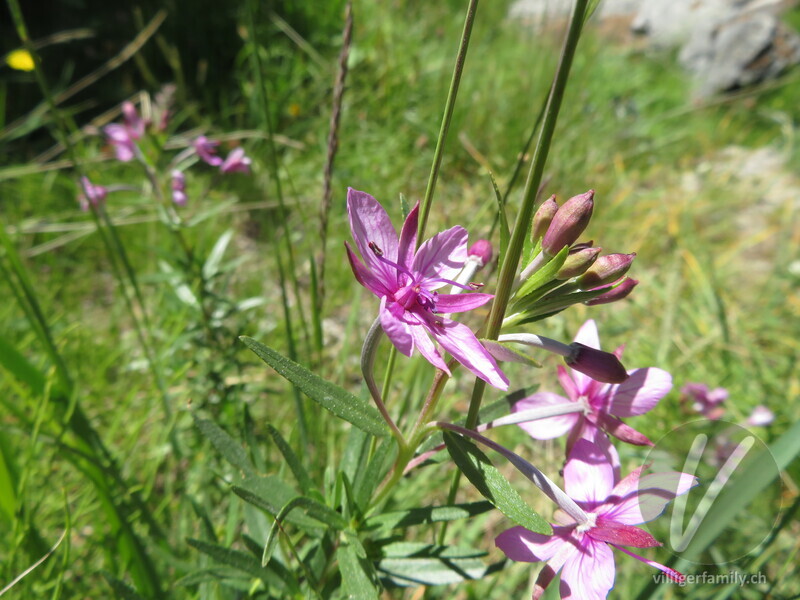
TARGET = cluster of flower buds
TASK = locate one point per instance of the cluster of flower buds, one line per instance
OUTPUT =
(562, 271)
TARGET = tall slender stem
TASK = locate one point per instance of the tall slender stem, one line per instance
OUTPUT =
(522, 224)
(458, 69)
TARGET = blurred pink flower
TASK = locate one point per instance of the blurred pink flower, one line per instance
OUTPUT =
(207, 151)
(122, 137)
(179, 188)
(236, 162)
(602, 403)
(706, 402)
(582, 550)
(119, 136)
(90, 194)
(406, 280)
(760, 417)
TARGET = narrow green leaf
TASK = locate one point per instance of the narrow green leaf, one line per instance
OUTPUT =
(359, 579)
(270, 494)
(121, 589)
(314, 509)
(544, 275)
(408, 563)
(233, 558)
(330, 396)
(378, 467)
(427, 515)
(230, 449)
(492, 484)
(405, 207)
(299, 472)
(8, 482)
(211, 266)
(20, 367)
(505, 233)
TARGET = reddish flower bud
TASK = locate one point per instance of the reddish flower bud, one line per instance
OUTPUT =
(482, 250)
(599, 365)
(605, 270)
(568, 223)
(623, 290)
(577, 262)
(543, 217)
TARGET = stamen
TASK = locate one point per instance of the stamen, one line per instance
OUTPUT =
(379, 254)
(459, 285)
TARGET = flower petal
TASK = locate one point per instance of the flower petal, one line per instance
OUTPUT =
(588, 475)
(364, 276)
(621, 431)
(408, 238)
(522, 545)
(588, 575)
(453, 303)
(370, 223)
(552, 427)
(459, 341)
(588, 336)
(647, 497)
(640, 392)
(619, 534)
(441, 257)
(397, 330)
(427, 348)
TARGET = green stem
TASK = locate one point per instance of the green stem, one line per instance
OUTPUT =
(458, 69)
(522, 224)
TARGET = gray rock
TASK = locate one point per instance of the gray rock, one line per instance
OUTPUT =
(725, 44)
(741, 51)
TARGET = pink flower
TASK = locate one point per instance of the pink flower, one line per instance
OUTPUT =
(602, 403)
(133, 122)
(179, 188)
(582, 550)
(119, 136)
(406, 280)
(706, 402)
(760, 417)
(91, 195)
(122, 137)
(207, 151)
(236, 162)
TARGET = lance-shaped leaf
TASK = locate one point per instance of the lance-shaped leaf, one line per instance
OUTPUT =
(330, 396)
(408, 563)
(427, 515)
(313, 508)
(492, 484)
(359, 579)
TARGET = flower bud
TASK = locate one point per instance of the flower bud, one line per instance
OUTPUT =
(568, 223)
(179, 188)
(543, 217)
(623, 290)
(599, 365)
(577, 262)
(482, 251)
(605, 270)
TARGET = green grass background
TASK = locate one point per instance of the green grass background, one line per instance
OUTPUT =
(717, 258)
